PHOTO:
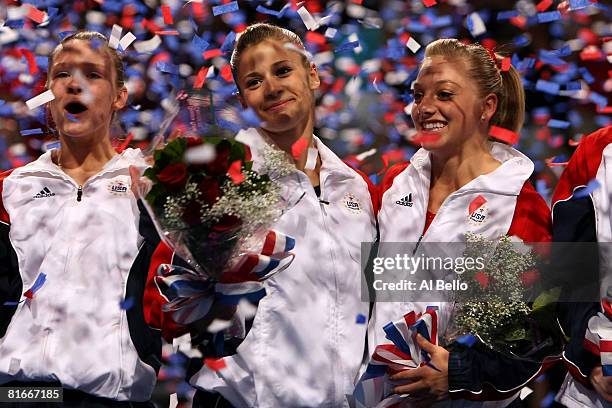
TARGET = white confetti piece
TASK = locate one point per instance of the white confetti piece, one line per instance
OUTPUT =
(217, 325)
(413, 45)
(478, 26)
(127, 40)
(173, 401)
(148, 46)
(307, 18)
(40, 99)
(113, 41)
(200, 154)
(330, 32)
(311, 160)
(525, 392)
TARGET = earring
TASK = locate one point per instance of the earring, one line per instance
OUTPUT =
(482, 118)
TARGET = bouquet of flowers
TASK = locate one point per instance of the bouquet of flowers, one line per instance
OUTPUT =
(215, 211)
(504, 306)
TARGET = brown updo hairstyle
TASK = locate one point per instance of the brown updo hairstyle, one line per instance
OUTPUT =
(507, 85)
(256, 33)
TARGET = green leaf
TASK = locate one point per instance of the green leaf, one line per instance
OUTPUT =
(516, 335)
(546, 298)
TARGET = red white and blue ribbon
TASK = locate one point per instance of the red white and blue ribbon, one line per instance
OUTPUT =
(598, 336)
(191, 295)
(403, 353)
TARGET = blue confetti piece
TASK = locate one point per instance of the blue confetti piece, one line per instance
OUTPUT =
(40, 280)
(558, 124)
(507, 15)
(521, 40)
(228, 43)
(65, 34)
(167, 67)
(563, 51)
(360, 319)
(127, 303)
(598, 99)
(467, 340)
(261, 9)
(586, 191)
(548, 400)
(542, 188)
(347, 46)
(8, 303)
(53, 145)
(586, 75)
(30, 132)
(442, 21)
(250, 118)
(2, 102)
(199, 44)
(573, 86)
(602, 121)
(607, 370)
(549, 16)
(71, 117)
(225, 8)
(548, 87)
(580, 4)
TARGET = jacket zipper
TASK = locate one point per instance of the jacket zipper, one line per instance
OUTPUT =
(80, 193)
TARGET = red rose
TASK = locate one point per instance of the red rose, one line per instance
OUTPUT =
(173, 176)
(209, 187)
(227, 223)
(193, 141)
(192, 213)
(529, 278)
(219, 165)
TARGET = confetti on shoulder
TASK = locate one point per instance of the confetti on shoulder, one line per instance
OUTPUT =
(225, 8)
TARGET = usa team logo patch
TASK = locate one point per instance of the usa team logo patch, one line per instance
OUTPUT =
(352, 203)
(118, 187)
(479, 216)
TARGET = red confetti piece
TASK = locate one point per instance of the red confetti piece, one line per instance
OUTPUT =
(591, 54)
(425, 137)
(607, 109)
(36, 15)
(338, 85)
(33, 67)
(200, 78)
(215, 364)
(317, 38)
(226, 73)
(125, 143)
(208, 54)
(357, 1)
(505, 65)
(166, 32)
(574, 143)
(476, 204)
(198, 10)
(483, 279)
(29, 294)
(167, 15)
(504, 135)
(235, 172)
(544, 5)
(298, 148)
(429, 3)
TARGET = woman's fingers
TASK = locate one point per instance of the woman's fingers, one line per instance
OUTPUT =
(140, 185)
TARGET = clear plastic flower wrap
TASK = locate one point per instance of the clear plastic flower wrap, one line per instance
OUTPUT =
(211, 207)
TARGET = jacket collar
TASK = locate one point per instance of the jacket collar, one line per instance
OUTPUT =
(515, 169)
(331, 165)
(120, 161)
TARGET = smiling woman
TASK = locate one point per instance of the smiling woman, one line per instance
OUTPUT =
(460, 182)
(69, 232)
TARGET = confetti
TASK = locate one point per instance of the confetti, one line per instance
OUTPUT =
(127, 304)
(544, 5)
(588, 190)
(505, 64)
(558, 124)
(298, 148)
(200, 78)
(167, 14)
(30, 132)
(199, 44)
(348, 46)
(308, 20)
(225, 8)
(36, 15)
(311, 160)
(40, 99)
(548, 87)
(127, 40)
(40, 281)
(475, 24)
(429, 3)
(413, 45)
(506, 15)
(549, 16)
(215, 364)
(361, 319)
(148, 46)
(467, 340)
(113, 41)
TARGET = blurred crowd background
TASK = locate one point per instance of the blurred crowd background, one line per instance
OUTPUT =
(367, 53)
